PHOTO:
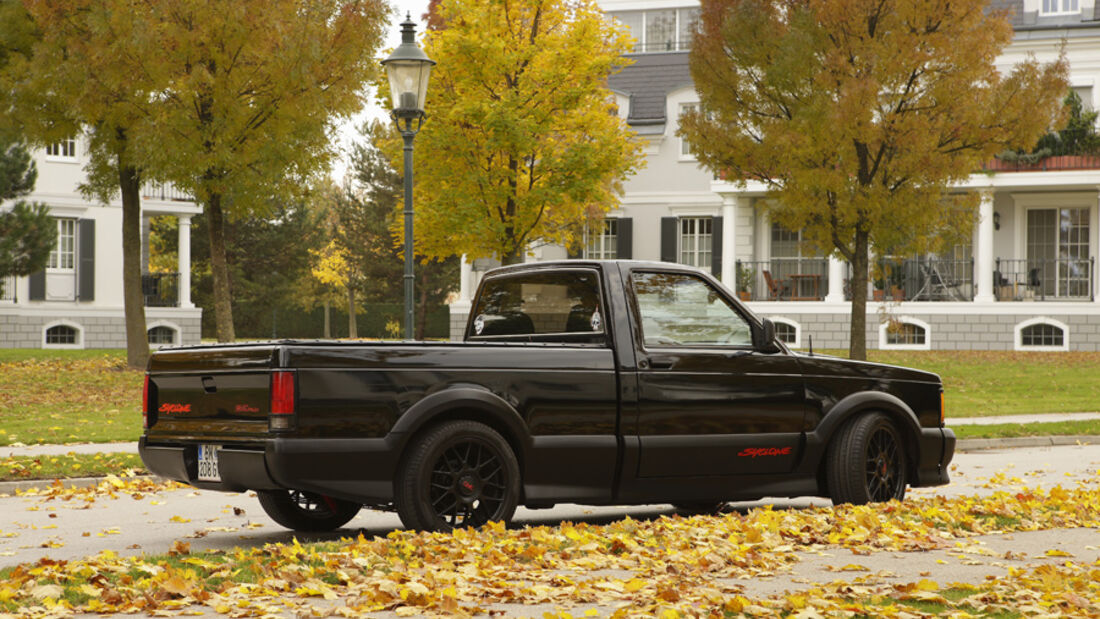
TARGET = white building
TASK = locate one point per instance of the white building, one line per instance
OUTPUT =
(1027, 281)
(77, 301)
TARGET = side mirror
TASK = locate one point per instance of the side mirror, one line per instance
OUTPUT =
(764, 337)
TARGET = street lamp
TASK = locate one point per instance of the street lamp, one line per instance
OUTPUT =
(408, 68)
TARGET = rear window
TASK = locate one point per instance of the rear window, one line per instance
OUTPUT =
(549, 306)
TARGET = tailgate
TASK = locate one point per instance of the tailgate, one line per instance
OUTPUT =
(207, 394)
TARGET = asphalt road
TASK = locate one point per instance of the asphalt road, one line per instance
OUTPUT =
(32, 527)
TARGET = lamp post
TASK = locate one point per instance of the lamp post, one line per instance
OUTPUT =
(408, 69)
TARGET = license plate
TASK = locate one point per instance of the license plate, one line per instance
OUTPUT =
(208, 463)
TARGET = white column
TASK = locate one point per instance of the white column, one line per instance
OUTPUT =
(837, 272)
(729, 241)
(1095, 223)
(184, 258)
(983, 259)
(465, 271)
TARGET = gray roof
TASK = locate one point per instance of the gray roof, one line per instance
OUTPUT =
(647, 81)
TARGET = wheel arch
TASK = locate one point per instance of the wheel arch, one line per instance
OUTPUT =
(865, 402)
(471, 404)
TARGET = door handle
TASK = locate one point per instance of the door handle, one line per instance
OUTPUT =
(662, 363)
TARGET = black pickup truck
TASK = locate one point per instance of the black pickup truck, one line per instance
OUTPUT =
(592, 382)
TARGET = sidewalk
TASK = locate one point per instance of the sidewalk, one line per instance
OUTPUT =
(8, 451)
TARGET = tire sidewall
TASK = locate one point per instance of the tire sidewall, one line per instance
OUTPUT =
(846, 460)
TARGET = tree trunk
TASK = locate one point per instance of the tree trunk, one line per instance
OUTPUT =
(857, 342)
(328, 326)
(223, 308)
(422, 302)
(133, 298)
(352, 331)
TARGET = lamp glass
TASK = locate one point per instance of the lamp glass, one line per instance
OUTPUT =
(408, 83)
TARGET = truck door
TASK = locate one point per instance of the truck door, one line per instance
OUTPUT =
(708, 402)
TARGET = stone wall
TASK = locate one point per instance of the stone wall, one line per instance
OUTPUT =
(19, 330)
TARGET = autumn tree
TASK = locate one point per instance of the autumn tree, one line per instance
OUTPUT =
(521, 138)
(859, 116)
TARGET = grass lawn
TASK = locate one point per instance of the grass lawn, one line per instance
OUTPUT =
(70, 465)
(1007, 430)
(70, 396)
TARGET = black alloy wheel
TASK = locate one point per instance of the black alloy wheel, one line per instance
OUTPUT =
(459, 474)
(866, 461)
(306, 511)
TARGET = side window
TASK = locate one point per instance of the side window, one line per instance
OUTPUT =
(547, 306)
(677, 309)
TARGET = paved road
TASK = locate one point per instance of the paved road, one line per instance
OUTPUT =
(35, 527)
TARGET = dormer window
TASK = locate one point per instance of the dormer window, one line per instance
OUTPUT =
(1060, 7)
(661, 30)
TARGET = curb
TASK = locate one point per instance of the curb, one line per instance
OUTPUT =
(976, 444)
(10, 487)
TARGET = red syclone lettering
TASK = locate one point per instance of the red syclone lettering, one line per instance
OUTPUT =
(244, 408)
(171, 407)
(752, 452)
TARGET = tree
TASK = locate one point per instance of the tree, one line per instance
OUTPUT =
(371, 228)
(27, 232)
(522, 140)
(1078, 137)
(860, 115)
(251, 91)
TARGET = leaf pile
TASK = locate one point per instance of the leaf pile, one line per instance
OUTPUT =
(671, 565)
(70, 465)
(111, 487)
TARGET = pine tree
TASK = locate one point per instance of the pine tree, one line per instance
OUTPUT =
(27, 232)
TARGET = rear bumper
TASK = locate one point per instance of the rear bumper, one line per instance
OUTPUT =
(937, 448)
(358, 470)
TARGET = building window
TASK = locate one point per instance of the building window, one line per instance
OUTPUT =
(905, 334)
(62, 335)
(1058, 251)
(1058, 7)
(161, 335)
(1084, 93)
(1043, 334)
(788, 332)
(65, 149)
(685, 147)
(602, 240)
(63, 255)
(664, 30)
(696, 234)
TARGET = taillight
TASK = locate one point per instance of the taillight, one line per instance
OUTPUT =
(282, 400)
(145, 404)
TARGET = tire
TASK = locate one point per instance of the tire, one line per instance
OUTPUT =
(709, 508)
(866, 462)
(306, 511)
(458, 474)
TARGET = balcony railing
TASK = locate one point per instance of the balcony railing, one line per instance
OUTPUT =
(921, 278)
(8, 289)
(164, 191)
(783, 279)
(161, 289)
(1042, 279)
(1046, 164)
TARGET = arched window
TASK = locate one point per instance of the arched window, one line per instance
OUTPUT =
(1042, 334)
(905, 333)
(62, 335)
(788, 331)
(162, 335)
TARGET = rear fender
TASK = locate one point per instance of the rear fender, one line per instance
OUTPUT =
(466, 402)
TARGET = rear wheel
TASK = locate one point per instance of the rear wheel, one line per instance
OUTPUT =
(866, 462)
(306, 511)
(458, 474)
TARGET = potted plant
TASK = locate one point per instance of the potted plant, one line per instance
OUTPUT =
(745, 278)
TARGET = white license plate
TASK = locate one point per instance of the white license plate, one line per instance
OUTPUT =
(208, 463)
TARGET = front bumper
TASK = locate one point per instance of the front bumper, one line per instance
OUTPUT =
(358, 470)
(937, 448)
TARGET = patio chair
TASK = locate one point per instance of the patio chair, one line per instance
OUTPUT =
(776, 289)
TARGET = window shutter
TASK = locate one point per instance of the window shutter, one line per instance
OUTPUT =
(716, 247)
(575, 251)
(668, 239)
(37, 282)
(625, 248)
(85, 269)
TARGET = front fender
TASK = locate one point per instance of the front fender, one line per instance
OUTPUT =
(867, 401)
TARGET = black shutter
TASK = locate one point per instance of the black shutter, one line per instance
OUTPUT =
(37, 281)
(575, 251)
(85, 268)
(625, 246)
(716, 248)
(668, 238)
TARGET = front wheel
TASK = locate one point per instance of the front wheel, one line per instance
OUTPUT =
(458, 474)
(306, 511)
(866, 462)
